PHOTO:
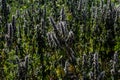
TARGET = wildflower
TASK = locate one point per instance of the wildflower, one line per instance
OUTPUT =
(52, 39)
(84, 62)
(53, 23)
(91, 75)
(10, 30)
(62, 15)
(96, 65)
(55, 39)
(80, 5)
(116, 57)
(70, 37)
(64, 28)
(101, 75)
(14, 24)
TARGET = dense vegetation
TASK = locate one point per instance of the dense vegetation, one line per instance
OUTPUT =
(59, 39)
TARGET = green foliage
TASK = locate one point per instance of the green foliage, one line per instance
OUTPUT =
(59, 39)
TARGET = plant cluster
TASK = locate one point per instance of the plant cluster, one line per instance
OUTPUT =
(59, 39)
